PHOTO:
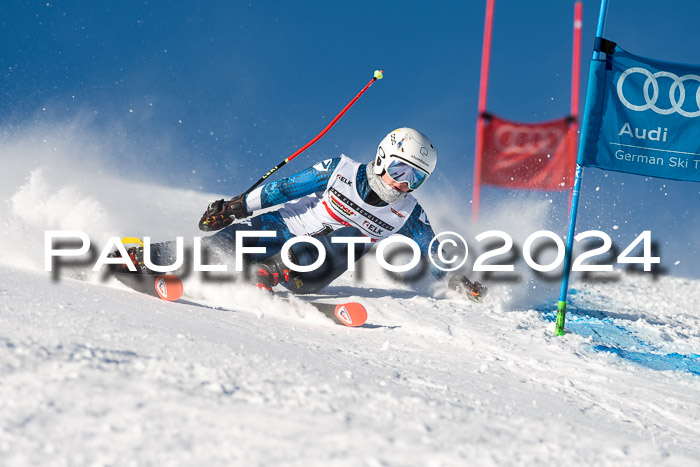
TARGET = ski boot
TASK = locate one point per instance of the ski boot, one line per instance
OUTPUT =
(269, 276)
(473, 290)
(164, 286)
(135, 252)
(273, 271)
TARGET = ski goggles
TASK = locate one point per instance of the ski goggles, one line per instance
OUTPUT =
(405, 173)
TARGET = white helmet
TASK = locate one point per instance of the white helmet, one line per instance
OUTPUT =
(407, 155)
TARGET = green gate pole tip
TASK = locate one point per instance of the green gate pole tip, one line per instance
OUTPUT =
(561, 315)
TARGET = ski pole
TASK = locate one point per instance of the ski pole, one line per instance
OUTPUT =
(378, 74)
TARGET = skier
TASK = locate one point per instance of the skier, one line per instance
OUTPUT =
(337, 197)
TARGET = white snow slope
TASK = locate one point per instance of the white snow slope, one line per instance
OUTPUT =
(94, 374)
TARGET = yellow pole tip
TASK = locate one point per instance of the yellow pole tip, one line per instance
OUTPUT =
(378, 74)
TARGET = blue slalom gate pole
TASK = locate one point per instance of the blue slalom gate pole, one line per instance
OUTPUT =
(561, 305)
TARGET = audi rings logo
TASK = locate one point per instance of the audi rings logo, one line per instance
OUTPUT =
(534, 140)
(651, 92)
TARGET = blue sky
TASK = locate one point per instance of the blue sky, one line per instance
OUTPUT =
(219, 91)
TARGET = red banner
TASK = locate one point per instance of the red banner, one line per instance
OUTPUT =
(534, 156)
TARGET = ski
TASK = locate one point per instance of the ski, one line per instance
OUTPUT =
(351, 314)
(169, 287)
(164, 286)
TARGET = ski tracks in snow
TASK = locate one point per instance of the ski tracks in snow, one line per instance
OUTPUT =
(94, 375)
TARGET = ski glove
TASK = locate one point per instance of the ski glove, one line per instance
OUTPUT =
(221, 213)
(473, 290)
